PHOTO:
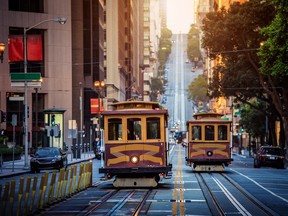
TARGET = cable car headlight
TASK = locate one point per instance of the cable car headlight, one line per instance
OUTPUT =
(209, 153)
(134, 159)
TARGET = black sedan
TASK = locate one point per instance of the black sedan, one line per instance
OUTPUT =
(269, 156)
(48, 158)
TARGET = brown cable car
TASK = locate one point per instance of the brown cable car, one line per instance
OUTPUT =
(136, 146)
(209, 142)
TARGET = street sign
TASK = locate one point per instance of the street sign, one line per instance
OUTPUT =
(22, 84)
(14, 120)
(18, 77)
(17, 98)
(72, 133)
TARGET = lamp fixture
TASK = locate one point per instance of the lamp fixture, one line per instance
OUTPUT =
(2, 49)
(98, 84)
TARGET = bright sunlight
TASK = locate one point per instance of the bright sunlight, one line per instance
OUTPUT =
(180, 15)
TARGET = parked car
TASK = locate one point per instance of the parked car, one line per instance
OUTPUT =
(48, 158)
(269, 156)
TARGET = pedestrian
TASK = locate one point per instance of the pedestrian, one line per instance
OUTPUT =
(96, 148)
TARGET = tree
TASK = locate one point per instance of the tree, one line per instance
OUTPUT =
(193, 46)
(197, 90)
(274, 62)
(165, 45)
(253, 120)
(233, 37)
(156, 88)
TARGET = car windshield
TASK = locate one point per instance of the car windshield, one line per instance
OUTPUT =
(272, 151)
(47, 153)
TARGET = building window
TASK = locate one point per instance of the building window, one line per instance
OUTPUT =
(32, 65)
(36, 6)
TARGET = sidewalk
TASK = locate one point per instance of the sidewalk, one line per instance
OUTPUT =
(6, 170)
(244, 153)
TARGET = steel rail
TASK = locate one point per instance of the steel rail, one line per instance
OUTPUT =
(107, 197)
(249, 197)
(207, 189)
(141, 204)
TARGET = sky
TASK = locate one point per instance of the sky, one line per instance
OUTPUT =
(180, 15)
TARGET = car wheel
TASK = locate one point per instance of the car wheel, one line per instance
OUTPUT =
(281, 166)
(32, 170)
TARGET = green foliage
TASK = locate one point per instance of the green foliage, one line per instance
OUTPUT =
(253, 120)
(234, 35)
(197, 90)
(4, 150)
(156, 88)
(274, 62)
(3, 139)
(193, 47)
(165, 46)
(166, 33)
(274, 51)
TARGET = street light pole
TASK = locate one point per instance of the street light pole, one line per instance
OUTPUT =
(61, 21)
(81, 116)
(99, 86)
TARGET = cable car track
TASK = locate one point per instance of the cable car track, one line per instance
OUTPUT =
(226, 197)
(120, 202)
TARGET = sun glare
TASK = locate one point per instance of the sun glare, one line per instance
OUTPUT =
(180, 15)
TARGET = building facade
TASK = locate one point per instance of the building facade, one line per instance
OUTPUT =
(54, 65)
(102, 40)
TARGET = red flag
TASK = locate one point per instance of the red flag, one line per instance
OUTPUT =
(94, 106)
(34, 48)
(15, 48)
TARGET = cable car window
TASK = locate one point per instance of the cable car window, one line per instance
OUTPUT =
(209, 132)
(134, 129)
(222, 132)
(115, 129)
(153, 128)
(196, 132)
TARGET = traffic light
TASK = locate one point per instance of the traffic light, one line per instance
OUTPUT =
(53, 120)
(3, 116)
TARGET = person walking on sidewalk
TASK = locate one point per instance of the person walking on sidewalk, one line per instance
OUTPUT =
(97, 148)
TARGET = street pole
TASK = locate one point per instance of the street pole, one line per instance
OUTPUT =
(61, 21)
(36, 116)
(99, 116)
(25, 101)
(81, 117)
(99, 85)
